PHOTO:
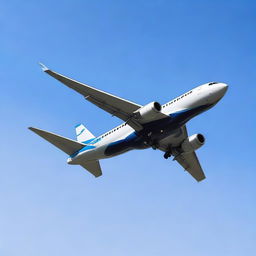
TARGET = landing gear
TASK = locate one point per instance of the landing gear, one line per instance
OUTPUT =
(154, 146)
(150, 142)
(167, 154)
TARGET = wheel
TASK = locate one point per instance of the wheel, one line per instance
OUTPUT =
(154, 147)
(167, 155)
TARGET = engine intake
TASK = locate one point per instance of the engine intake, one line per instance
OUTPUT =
(149, 111)
(193, 143)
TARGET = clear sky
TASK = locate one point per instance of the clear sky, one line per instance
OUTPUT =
(143, 204)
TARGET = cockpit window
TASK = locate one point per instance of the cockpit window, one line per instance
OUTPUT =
(212, 83)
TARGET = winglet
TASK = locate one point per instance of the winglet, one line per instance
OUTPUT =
(44, 68)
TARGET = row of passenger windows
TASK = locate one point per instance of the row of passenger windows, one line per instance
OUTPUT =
(119, 127)
(169, 103)
(165, 105)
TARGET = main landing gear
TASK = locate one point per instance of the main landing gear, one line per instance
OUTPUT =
(151, 142)
(154, 146)
(168, 154)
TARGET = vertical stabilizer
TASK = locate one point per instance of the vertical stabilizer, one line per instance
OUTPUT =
(83, 135)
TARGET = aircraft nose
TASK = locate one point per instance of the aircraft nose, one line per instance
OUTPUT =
(223, 88)
(217, 91)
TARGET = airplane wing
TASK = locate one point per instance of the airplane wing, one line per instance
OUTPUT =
(112, 104)
(188, 161)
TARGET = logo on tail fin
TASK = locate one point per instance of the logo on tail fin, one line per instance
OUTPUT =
(83, 134)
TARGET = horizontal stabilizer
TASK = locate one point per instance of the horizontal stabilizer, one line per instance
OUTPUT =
(93, 167)
(66, 145)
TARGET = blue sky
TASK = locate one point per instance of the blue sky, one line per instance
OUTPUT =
(143, 204)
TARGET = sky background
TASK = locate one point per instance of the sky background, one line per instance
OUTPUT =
(143, 204)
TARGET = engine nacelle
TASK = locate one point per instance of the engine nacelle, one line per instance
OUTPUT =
(149, 111)
(193, 143)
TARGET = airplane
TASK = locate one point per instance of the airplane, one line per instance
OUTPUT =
(153, 125)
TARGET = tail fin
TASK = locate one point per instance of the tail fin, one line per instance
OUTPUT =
(83, 134)
(67, 145)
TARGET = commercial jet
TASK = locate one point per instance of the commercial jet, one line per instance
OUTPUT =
(153, 125)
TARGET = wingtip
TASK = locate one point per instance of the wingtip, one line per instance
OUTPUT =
(33, 129)
(44, 68)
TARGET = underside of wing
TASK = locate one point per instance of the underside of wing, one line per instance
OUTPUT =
(126, 110)
(112, 104)
(174, 139)
(188, 161)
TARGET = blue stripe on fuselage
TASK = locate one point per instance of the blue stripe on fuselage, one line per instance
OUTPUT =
(136, 140)
(89, 145)
(130, 142)
(82, 150)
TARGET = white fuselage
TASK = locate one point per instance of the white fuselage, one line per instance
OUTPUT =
(183, 108)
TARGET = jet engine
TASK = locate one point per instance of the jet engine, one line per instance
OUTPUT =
(149, 111)
(193, 143)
